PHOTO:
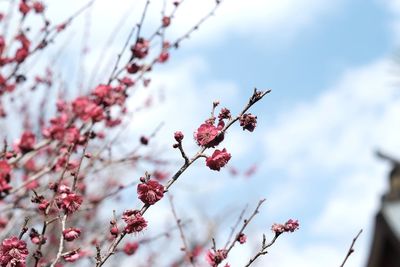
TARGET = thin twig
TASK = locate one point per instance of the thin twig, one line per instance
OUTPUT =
(61, 244)
(181, 232)
(245, 224)
(351, 249)
(263, 249)
(240, 218)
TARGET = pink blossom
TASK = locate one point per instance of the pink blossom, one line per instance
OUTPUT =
(166, 21)
(208, 135)
(216, 258)
(102, 90)
(218, 159)
(278, 228)
(3, 222)
(38, 7)
(160, 175)
(21, 54)
(85, 109)
(135, 223)
(248, 122)
(163, 57)
(130, 248)
(196, 251)
(71, 234)
(292, 225)
(224, 114)
(69, 202)
(24, 8)
(114, 229)
(72, 256)
(5, 171)
(132, 68)
(108, 96)
(27, 142)
(13, 252)
(242, 238)
(127, 81)
(289, 226)
(36, 238)
(57, 128)
(141, 48)
(71, 135)
(150, 192)
(43, 205)
(178, 136)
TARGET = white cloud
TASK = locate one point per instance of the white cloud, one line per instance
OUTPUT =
(346, 121)
(234, 17)
(332, 138)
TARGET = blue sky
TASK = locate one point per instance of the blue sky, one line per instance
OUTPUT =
(331, 67)
(311, 70)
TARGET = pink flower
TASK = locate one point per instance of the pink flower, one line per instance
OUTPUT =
(218, 159)
(278, 228)
(71, 234)
(5, 171)
(208, 135)
(21, 54)
(24, 8)
(71, 135)
(242, 238)
(72, 256)
(57, 128)
(163, 57)
(289, 226)
(166, 21)
(43, 205)
(160, 175)
(85, 109)
(108, 96)
(38, 7)
(131, 247)
(114, 229)
(248, 122)
(27, 142)
(141, 48)
(197, 251)
(102, 90)
(3, 223)
(13, 252)
(135, 223)
(69, 202)
(224, 114)
(132, 68)
(178, 136)
(217, 258)
(150, 192)
(36, 238)
(292, 225)
(127, 81)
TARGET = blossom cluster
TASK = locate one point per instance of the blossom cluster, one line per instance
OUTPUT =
(289, 226)
(64, 158)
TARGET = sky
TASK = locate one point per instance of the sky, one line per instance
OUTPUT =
(331, 65)
(332, 69)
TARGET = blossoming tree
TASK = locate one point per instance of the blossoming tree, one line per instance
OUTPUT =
(52, 189)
